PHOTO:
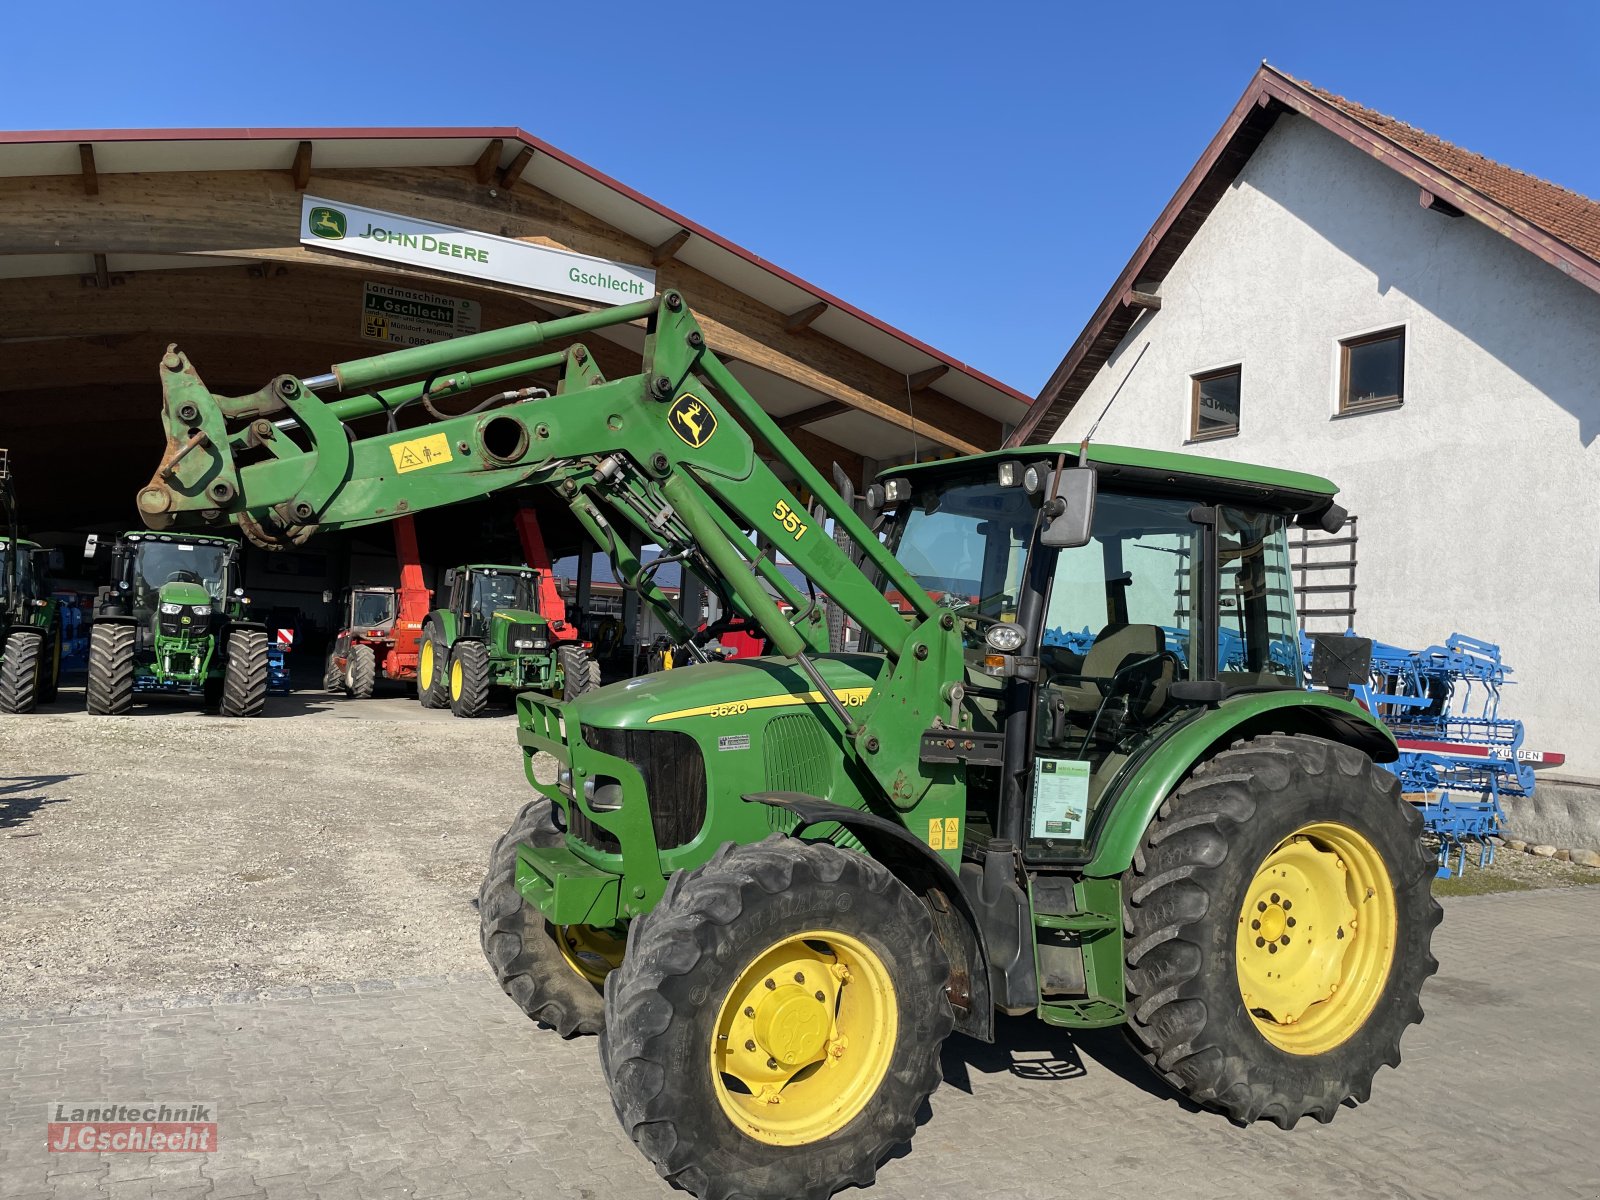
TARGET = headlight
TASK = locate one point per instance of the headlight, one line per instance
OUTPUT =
(1033, 479)
(540, 644)
(522, 645)
(172, 610)
(200, 610)
(1004, 637)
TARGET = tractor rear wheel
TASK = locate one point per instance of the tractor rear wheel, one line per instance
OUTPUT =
(775, 1026)
(433, 669)
(469, 679)
(244, 682)
(553, 973)
(579, 671)
(1279, 912)
(21, 663)
(332, 673)
(109, 690)
(361, 676)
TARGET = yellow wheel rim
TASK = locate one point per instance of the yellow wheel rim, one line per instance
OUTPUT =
(455, 680)
(1316, 938)
(591, 953)
(425, 666)
(804, 1038)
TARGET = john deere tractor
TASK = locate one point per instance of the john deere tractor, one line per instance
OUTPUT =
(174, 620)
(492, 636)
(775, 885)
(30, 620)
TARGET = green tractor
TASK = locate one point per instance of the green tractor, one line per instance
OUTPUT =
(491, 635)
(1071, 770)
(30, 622)
(174, 620)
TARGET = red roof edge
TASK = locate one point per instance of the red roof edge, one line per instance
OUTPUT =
(1271, 91)
(509, 133)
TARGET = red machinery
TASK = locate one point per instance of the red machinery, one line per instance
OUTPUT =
(381, 626)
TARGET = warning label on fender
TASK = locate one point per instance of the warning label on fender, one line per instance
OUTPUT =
(430, 451)
(406, 317)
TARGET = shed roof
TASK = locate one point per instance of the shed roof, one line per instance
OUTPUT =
(1559, 226)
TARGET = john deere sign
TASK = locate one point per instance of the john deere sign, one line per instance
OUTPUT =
(372, 233)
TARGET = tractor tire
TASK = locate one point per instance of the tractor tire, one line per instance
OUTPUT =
(433, 669)
(469, 679)
(109, 690)
(332, 674)
(244, 682)
(553, 974)
(361, 676)
(21, 665)
(50, 669)
(580, 673)
(1271, 847)
(832, 963)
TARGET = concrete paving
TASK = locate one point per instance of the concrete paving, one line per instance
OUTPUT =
(438, 1087)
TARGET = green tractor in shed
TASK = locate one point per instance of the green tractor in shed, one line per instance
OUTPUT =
(174, 620)
(30, 623)
(491, 635)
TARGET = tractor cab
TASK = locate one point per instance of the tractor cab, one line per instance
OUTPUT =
(163, 575)
(485, 596)
(22, 573)
(371, 611)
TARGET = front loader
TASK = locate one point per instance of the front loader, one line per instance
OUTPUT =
(30, 618)
(775, 885)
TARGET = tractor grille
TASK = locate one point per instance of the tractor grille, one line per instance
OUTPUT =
(532, 634)
(674, 782)
(172, 624)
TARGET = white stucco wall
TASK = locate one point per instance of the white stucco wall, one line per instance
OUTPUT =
(1480, 498)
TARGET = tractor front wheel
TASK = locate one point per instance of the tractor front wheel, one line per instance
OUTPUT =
(244, 682)
(1279, 912)
(776, 1024)
(469, 679)
(553, 973)
(109, 690)
(433, 669)
(361, 676)
(21, 665)
(580, 673)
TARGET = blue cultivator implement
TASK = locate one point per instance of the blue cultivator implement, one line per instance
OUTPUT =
(1458, 755)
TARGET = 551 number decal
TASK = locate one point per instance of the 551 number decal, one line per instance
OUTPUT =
(793, 523)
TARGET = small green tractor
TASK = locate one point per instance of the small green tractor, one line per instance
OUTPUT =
(1071, 769)
(174, 620)
(491, 635)
(30, 621)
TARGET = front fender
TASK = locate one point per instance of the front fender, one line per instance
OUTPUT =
(1152, 779)
(445, 622)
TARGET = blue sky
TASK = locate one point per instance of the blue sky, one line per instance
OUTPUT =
(975, 174)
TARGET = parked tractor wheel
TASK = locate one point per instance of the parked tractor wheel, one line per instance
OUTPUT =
(109, 690)
(332, 673)
(1279, 913)
(21, 664)
(580, 673)
(50, 669)
(776, 1024)
(469, 679)
(433, 670)
(554, 974)
(244, 683)
(361, 676)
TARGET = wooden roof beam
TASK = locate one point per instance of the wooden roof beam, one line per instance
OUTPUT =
(1438, 204)
(921, 381)
(91, 177)
(519, 164)
(668, 250)
(488, 162)
(1137, 298)
(810, 416)
(300, 171)
(797, 321)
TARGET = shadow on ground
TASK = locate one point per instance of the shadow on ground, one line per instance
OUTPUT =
(17, 805)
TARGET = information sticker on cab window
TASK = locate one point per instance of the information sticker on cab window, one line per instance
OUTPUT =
(1060, 798)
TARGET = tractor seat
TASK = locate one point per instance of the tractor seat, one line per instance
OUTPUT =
(1126, 660)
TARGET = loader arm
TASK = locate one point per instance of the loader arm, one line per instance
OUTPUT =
(670, 452)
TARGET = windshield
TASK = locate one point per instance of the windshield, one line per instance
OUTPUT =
(491, 593)
(24, 574)
(372, 608)
(967, 545)
(159, 563)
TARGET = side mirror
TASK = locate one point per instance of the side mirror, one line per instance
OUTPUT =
(327, 596)
(91, 545)
(1068, 511)
(450, 577)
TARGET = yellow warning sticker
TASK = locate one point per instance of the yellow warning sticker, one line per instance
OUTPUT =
(420, 452)
(952, 832)
(935, 833)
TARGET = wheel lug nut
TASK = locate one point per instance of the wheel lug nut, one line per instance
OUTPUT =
(1287, 905)
(1290, 922)
(1274, 897)
(1273, 948)
(771, 985)
(799, 977)
(1255, 924)
(1284, 939)
(748, 1011)
(820, 997)
(1261, 906)
(772, 1064)
(1260, 942)
(750, 1044)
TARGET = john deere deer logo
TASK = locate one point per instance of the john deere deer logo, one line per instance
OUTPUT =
(692, 420)
(328, 223)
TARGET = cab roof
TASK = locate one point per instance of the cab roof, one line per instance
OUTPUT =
(199, 539)
(23, 542)
(1162, 470)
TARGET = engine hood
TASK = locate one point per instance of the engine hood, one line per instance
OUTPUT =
(675, 699)
(517, 616)
(184, 593)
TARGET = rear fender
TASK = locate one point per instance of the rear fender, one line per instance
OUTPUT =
(930, 879)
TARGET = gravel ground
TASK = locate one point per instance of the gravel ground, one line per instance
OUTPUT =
(170, 852)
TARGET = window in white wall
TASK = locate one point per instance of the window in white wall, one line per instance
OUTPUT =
(1214, 404)
(1372, 371)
